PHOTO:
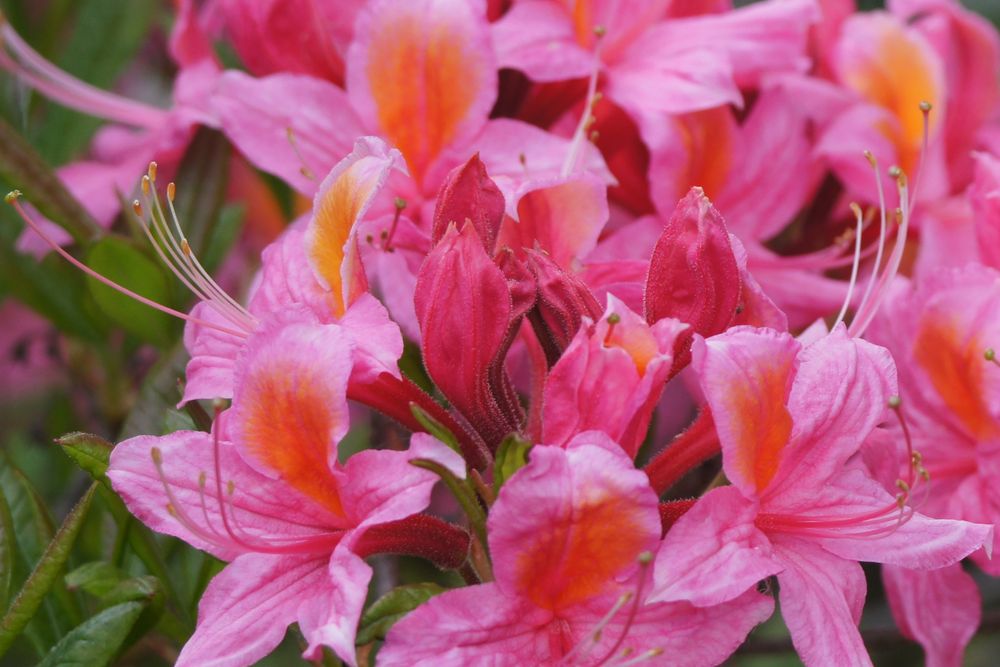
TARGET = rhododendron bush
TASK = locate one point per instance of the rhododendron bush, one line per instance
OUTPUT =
(499, 332)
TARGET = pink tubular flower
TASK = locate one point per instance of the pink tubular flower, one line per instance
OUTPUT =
(610, 378)
(571, 535)
(939, 330)
(266, 492)
(652, 65)
(790, 418)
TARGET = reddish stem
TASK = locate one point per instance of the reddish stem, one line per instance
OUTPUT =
(392, 396)
(672, 510)
(692, 447)
(428, 537)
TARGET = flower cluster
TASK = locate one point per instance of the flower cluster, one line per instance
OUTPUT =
(620, 240)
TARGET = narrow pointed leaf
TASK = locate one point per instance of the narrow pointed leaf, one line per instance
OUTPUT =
(391, 607)
(90, 452)
(97, 641)
(45, 574)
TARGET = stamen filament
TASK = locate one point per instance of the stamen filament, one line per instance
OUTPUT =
(61, 87)
(857, 262)
(13, 200)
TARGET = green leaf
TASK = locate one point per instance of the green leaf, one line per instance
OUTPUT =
(8, 544)
(391, 607)
(45, 574)
(157, 396)
(98, 578)
(463, 493)
(97, 641)
(116, 259)
(434, 427)
(90, 452)
(52, 288)
(511, 457)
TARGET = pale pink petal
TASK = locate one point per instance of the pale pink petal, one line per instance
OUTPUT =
(985, 198)
(209, 373)
(746, 375)
(562, 216)
(286, 279)
(940, 609)
(290, 406)
(331, 617)
(260, 509)
(821, 599)
(467, 626)
(918, 543)
(247, 607)
(839, 395)
(287, 123)
(714, 552)
(537, 38)
(377, 341)
(689, 636)
(571, 522)
(380, 485)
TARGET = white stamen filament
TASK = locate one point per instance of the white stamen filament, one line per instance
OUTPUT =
(857, 262)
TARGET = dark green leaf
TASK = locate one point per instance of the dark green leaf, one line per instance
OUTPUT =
(97, 640)
(391, 607)
(89, 451)
(45, 574)
(8, 545)
(98, 578)
(118, 260)
(157, 396)
(52, 288)
(511, 457)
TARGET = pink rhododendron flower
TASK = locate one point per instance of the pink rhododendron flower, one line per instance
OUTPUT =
(270, 496)
(790, 418)
(938, 329)
(571, 534)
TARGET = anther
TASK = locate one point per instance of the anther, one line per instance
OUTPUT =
(202, 479)
(152, 171)
(137, 207)
(645, 558)
(894, 402)
(871, 158)
(990, 355)
(399, 204)
(612, 320)
(926, 106)
(12, 196)
(156, 455)
(171, 190)
(146, 188)
(902, 486)
(600, 31)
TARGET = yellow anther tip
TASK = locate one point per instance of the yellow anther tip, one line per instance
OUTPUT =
(989, 353)
(926, 106)
(171, 190)
(156, 455)
(12, 196)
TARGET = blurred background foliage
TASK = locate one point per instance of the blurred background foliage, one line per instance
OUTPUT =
(91, 585)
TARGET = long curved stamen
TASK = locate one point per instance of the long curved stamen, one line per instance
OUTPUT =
(857, 263)
(645, 559)
(869, 308)
(17, 57)
(578, 144)
(178, 257)
(883, 225)
(13, 198)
